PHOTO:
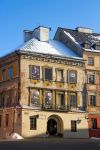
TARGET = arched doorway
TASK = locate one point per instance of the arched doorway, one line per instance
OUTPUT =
(55, 126)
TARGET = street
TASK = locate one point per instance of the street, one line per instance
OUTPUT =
(50, 144)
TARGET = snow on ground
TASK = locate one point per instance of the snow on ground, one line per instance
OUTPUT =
(94, 138)
(14, 136)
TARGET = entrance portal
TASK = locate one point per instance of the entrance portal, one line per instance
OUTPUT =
(52, 127)
(55, 125)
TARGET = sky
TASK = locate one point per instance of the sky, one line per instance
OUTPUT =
(18, 15)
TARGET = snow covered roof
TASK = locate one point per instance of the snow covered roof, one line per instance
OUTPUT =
(52, 47)
(81, 37)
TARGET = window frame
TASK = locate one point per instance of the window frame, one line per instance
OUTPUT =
(62, 75)
(91, 78)
(33, 123)
(10, 72)
(44, 73)
(91, 61)
(69, 78)
(94, 123)
(6, 120)
(49, 101)
(73, 126)
(4, 76)
(92, 100)
(31, 67)
(70, 100)
(33, 98)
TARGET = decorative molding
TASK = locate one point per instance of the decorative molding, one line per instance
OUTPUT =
(54, 60)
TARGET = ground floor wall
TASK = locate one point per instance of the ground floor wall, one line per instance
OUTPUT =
(20, 121)
(64, 121)
(94, 125)
(10, 121)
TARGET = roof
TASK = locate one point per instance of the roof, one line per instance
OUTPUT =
(81, 37)
(52, 47)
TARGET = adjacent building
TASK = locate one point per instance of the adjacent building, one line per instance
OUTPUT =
(42, 89)
(86, 44)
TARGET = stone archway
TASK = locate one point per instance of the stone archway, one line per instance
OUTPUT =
(55, 125)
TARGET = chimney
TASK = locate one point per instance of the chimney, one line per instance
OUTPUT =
(41, 33)
(27, 35)
(84, 30)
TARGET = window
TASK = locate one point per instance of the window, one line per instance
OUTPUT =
(0, 120)
(6, 120)
(48, 97)
(73, 100)
(35, 96)
(91, 78)
(59, 75)
(73, 126)
(92, 100)
(10, 73)
(34, 72)
(61, 99)
(97, 47)
(93, 123)
(72, 76)
(2, 99)
(48, 73)
(90, 61)
(9, 98)
(4, 74)
(33, 123)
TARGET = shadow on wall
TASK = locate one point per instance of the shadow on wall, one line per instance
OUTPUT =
(81, 133)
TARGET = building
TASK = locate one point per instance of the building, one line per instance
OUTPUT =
(86, 44)
(42, 89)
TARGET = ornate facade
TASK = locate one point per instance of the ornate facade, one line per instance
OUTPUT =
(42, 93)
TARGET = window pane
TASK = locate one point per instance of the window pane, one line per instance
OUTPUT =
(2, 99)
(91, 78)
(35, 72)
(92, 100)
(10, 73)
(73, 100)
(33, 123)
(94, 123)
(35, 96)
(90, 61)
(72, 77)
(48, 73)
(48, 97)
(4, 74)
(6, 120)
(59, 75)
(73, 126)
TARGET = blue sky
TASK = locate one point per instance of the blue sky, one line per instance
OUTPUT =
(17, 15)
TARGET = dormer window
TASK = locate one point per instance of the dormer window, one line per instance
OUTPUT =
(86, 45)
(96, 46)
